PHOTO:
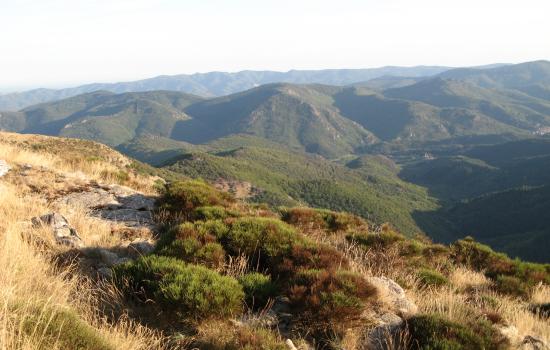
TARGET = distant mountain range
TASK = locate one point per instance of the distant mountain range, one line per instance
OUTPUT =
(424, 152)
(216, 83)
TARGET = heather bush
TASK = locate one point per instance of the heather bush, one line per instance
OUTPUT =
(330, 297)
(145, 273)
(322, 219)
(373, 240)
(258, 288)
(182, 197)
(195, 291)
(200, 293)
(213, 213)
(309, 255)
(260, 237)
(430, 332)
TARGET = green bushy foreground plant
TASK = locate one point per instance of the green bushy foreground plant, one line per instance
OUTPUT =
(189, 289)
(431, 332)
(258, 288)
(190, 272)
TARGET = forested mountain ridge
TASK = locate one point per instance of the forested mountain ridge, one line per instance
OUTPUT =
(215, 83)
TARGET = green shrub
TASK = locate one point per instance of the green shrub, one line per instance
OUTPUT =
(309, 255)
(331, 298)
(432, 278)
(193, 290)
(431, 332)
(193, 251)
(63, 329)
(480, 257)
(380, 240)
(200, 292)
(513, 277)
(265, 237)
(213, 213)
(145, 273)
(258, 288)
(304, 217)
(321, 219)
(511, 285)
(182, 197)
(203, 231)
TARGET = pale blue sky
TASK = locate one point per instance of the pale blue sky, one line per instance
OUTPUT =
(68, 42)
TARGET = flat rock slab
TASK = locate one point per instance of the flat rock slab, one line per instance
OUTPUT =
(115, 203)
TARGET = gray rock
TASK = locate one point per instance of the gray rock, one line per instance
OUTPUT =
(63, 233)
(4, 168)
(122, 260)
(108, 258)
(140, 247)
(403, 305)
(129, 217)
(105, 272)
(95, 198)
(386, 335)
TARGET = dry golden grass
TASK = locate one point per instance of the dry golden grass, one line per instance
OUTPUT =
(72, 158)
(32, 290)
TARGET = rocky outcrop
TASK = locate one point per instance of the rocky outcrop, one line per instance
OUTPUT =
(4, 168)
(114, 203)
(62, 232)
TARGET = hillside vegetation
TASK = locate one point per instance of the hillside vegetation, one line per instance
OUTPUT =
(224, 274)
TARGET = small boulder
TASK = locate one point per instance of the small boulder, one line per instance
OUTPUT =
(387, 333)
(400, 303)
(108, 258)
(63, 233)
(140, 247)
(4, 168)
(105, 272)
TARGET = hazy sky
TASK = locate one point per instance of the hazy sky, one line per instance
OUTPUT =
(68, 42)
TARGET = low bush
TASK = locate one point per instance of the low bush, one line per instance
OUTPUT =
(379, 240)
(511, 285)
(260, 237)
(213, 213)
(322, 219)
(258, 288)
(193, 251)
(144, 274)
(308, 255)
(432, 278)
(201, 293)
(513, 277)
(430, 332)
(330, 298)
(182, 197)
(187, 289)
